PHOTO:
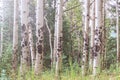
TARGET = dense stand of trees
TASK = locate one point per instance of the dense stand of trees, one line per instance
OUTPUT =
(60, 32)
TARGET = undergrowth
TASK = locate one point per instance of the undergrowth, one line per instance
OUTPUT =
(72, 73)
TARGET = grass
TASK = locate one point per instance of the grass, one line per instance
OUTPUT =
(72, 73)
(69, 75)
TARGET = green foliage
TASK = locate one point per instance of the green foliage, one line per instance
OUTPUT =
(5, 60)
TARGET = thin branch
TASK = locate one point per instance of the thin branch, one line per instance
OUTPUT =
(71, 8)
(50, 39)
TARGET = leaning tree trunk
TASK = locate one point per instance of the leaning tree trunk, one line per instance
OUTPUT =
(31, 45)
(15, 37)
(117, 29)
(25, 57)
(40, 37)
(50, 41)
(59, 13)
(98, 37)
(92, 25)
(86, 39)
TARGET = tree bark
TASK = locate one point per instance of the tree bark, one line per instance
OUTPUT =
(31, 45)
(50, 41)
(86, 40)
(25, 57)
(15, 37)
(117, 29)
(98, 37)
(1, 46)
(59, 37)
(40, 37)
(55, 37)
(2, 27)
(92, 25)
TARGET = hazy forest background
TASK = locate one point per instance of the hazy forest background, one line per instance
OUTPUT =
(59, 39)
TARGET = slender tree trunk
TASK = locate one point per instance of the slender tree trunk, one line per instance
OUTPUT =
(59, 13)
(103, 36)
(98, 37)
(15, 37)
(55, 37)
(2, 27)
(117, 29)
(40, 37)
(50, 41)
(86, 40)
(1, 48)
(92, 34)
(25, 57)
(31, 45)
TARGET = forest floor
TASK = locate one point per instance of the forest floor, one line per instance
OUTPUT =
(71, 75)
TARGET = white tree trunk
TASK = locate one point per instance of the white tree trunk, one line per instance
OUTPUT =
(2, 26)
(59, 13)
(31, 45)
(86, 39)
(25, 57)
(117, 29)
(55, 37)
(15, 37)
(92, 25)
(98, 36)
(40, 37)
(50, 41)
(1, 48)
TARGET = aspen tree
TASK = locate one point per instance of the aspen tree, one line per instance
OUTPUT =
(117, 29)
(25, 57)
(2, 23)
(15, 37)
(31, 45)
(92, 25)
(98, 37)
(59, 36)
(86, 39)
(40, 37)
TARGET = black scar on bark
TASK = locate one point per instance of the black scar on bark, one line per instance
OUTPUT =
(59, 49)
(39, 47)
(97, 48)
(40, 41)
(23, 45)
(95, 54)
(26, 43)
(23, 27)
(58, 54)
(38, 31)
(86, 44)
(56, 59)
(41, 57)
